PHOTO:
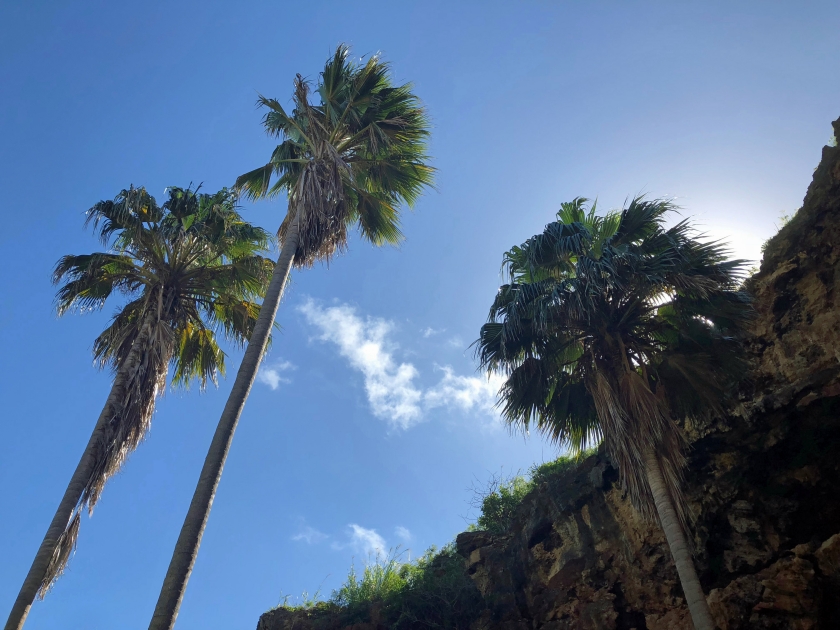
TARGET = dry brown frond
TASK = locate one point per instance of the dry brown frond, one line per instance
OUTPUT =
(140, 378)
(130, 420)
(320, 200)
(619, 434)
(636, 420)
(657, 430)
(61, 554)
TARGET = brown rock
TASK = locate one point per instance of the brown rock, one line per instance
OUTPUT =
(828, 558)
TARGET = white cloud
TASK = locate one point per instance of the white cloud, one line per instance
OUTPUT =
(365, 541)
(310, 535)
(271, 375)
(467, 393)
(455, 342)
(361, 540)
(271, 378)
(391, 388)
(428, 332)
(363, 342)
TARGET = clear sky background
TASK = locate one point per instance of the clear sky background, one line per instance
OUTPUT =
(723, 105)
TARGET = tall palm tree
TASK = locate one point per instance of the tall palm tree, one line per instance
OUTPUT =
(615, 327)
(353, 158)
(186, 269)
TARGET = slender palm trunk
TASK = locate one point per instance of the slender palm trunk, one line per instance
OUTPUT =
(189, 540)
(73, 494)
(701, 615)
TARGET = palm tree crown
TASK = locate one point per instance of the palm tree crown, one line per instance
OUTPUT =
(353, 158)
(187, 269)
(612, 327)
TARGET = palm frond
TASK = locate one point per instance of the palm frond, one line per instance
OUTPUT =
(354, 157)
(199, 357)
(129, 210)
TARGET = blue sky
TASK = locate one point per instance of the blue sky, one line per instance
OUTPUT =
(370, 424)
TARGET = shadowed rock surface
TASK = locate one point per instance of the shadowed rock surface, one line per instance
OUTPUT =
(762, 483)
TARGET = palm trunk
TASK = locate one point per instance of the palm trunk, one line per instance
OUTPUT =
(189, 540)
(37, 575)
(701, 615)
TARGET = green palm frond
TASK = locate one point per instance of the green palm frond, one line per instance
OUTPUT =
(126, 214)
(114, 343)
(199, 356)
(352, 158)
(90, 279)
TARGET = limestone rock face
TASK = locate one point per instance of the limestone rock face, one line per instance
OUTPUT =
(798, 298)
(320, 619)
(763, 485)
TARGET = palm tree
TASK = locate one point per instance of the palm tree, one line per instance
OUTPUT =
(187, 269)
(613, 328)
(354, 158)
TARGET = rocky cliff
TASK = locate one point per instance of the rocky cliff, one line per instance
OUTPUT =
(762, 484)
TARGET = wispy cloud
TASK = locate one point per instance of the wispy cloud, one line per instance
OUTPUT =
(271, 374)
(467, 393)
(363, 542)
(364, 343)
(392, 388)
(366, 542)
(310, 535)
(429, 332)
(455, 342)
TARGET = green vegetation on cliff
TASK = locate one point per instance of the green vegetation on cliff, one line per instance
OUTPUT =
(499, 502)
(435, 590)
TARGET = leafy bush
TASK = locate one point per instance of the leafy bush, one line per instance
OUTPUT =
(498, 504)
(499, 501)
(784, 220)
(438, 593)
(550, 470)
(305, 601)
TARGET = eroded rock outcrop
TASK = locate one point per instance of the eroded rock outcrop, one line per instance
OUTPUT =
(762, 483)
